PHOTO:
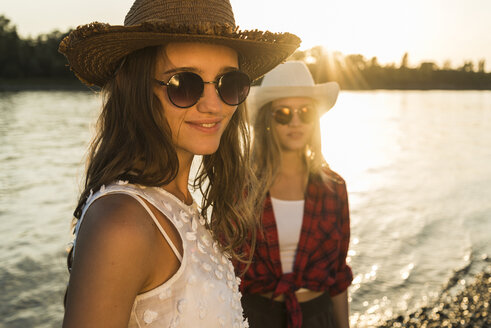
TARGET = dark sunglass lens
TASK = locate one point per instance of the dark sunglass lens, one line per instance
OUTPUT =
(283, 115)
(307, 114)
(233, 87)
(185, 89)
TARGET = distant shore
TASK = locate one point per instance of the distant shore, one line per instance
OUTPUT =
(469, 308)
(42, 84)
(38, 58)
(72, 84)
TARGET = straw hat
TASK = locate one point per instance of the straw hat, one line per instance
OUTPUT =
(292, 79)
(95, 51)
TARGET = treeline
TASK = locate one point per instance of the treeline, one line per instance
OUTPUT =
(32, 57)
(37, 59)
(354, 72)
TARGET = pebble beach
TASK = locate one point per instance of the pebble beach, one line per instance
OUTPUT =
(469, 308)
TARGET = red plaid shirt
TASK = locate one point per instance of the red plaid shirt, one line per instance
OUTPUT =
(320, 261)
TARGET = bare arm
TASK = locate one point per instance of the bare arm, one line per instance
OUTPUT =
(112, 264)
(341, 309)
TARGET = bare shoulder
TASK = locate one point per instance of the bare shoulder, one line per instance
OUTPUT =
(117, 212)
(118, 219)
(116, 230)
(112, 262)
(119, 230)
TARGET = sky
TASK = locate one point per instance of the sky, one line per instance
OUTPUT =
(428, 30)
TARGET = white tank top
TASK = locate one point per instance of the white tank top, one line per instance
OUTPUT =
(289, 217)
(204, 291)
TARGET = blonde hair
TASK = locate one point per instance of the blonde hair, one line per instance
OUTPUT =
(266, 152)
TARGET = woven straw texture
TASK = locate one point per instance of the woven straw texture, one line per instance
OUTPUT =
(94, 51)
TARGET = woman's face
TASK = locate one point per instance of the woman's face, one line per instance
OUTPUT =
(196, 130)
(296, 134)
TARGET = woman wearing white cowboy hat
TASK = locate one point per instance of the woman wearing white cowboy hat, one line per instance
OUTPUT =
(298, 276)
(174, 77)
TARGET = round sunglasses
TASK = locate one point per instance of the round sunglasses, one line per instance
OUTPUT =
(186, 88)
(284, 114)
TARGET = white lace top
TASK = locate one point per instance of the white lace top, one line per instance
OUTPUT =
(204, 291)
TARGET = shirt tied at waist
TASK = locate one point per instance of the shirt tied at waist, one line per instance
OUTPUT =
(286, 286)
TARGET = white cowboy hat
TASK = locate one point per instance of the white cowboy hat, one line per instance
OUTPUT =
(291, 79)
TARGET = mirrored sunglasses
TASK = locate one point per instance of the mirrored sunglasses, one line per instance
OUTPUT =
(284, 114)
(186, 88)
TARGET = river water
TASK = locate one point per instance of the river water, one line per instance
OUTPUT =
(417, 166)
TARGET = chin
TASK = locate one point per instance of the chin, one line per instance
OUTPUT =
(295, 147)
(205, 150)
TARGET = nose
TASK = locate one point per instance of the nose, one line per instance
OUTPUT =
(210, 101)
(296, 121)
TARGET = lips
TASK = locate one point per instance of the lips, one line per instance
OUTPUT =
(209, 126)
(295, 135)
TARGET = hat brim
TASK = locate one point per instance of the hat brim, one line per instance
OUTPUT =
(325, 95)
(95, 51)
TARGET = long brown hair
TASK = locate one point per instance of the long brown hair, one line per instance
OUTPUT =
(134, 143)
(230, 188)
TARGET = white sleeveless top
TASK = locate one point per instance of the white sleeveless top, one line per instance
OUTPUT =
(289, 217)
(204, 291)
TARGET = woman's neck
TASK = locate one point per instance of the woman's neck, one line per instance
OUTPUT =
(291, 179)
(179, 186)
(292, 164)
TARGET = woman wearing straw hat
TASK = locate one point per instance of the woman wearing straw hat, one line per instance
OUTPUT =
(298, 276)
(173, 79)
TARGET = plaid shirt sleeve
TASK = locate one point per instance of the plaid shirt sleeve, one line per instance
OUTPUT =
(344, 275)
